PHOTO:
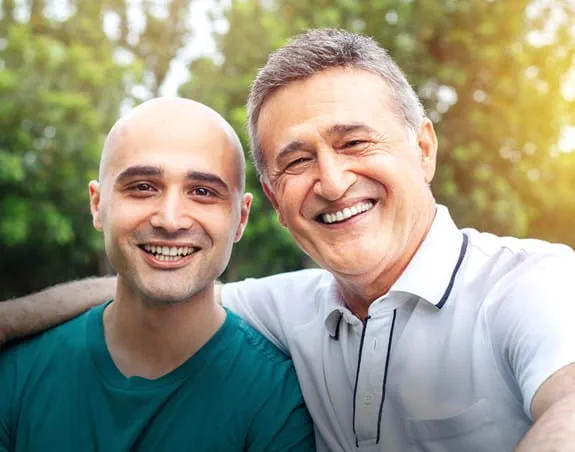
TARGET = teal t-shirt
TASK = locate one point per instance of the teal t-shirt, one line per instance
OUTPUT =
(61, 391)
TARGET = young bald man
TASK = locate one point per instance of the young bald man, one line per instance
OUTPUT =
(161, 367)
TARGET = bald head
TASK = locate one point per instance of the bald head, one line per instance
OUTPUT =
(171, 177)
(162, 123)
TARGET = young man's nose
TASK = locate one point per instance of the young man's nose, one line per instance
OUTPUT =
(172, 214)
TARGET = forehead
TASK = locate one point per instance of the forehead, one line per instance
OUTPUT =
(178, 148)
(314, 105)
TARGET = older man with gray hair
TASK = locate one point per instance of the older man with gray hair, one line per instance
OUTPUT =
(415, 335)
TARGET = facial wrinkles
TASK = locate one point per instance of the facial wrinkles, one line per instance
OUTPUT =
(330, 135)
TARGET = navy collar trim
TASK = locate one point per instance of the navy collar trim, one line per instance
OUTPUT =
(447, 292)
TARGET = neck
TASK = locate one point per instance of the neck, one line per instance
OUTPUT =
(150, 339)
(360, 291)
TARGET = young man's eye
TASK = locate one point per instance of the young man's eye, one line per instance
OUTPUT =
(140, 190)
(143, 187)
(202, 191)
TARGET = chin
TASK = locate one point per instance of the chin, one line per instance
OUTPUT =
(168, 295)
(347, 267)
(166, 298)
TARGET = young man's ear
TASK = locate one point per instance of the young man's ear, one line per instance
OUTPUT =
(270, 195)
(427, 142)
(94, 190)
(244, 215)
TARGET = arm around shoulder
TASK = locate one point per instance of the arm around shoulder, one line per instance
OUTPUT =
(36, 312)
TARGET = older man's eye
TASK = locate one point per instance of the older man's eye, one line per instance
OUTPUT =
(353, 143)
(298, 161)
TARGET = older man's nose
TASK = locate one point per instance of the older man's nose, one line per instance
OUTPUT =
(333, 176)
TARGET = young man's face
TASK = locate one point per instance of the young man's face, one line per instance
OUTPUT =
(170, 207)
(346, 177)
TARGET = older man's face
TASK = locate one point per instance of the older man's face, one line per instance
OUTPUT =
(346, 177)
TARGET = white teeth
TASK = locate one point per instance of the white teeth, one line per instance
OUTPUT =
(169, 253)
(346, 213)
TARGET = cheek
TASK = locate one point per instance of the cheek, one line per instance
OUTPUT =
(220, 226)
(396, 175)
(122, 219)
(289, 210)
(292, 194)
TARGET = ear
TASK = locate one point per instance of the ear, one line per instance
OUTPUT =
(427, 142)
(244, 215)
(94, 190)
(268, 190)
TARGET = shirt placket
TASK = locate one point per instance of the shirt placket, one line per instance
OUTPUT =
(371, 374)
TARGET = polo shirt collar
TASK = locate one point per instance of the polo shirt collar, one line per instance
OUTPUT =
(430, 274)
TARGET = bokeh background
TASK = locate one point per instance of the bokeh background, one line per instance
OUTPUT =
(497, 77)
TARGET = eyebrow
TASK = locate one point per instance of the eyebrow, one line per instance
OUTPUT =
(211, 178)
(343, 129)
(157, 171)
(139, 171)
(337, 130)
(292, 146)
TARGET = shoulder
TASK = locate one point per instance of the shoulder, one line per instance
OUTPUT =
(520, 249)
(526, 288)
(59, 341)
(279, 304)
(301, 281)
(507, 263)
(284, 292)
(255, 348)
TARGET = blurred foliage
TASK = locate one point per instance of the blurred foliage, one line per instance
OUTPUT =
(490, 73)
(61, 89)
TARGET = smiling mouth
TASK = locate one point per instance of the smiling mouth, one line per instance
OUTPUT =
(169, 253)
(346, 213)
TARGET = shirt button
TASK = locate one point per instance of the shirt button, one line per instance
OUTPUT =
(368, 399)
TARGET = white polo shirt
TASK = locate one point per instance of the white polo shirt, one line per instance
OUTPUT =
(448, 360)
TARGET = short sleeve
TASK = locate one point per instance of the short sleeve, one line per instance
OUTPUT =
(253, 300)
(532, 324)
(282, 423)
(277, 304)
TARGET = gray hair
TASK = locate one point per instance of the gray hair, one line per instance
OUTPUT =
(317, 50)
